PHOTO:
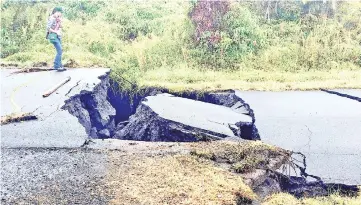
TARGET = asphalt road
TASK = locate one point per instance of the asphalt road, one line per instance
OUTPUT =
(196, 114)
(53, 176)
(41, 162)
(42, 158)
(325, 127)
(22, 93)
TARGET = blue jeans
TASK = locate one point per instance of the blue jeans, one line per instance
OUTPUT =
(59, 53)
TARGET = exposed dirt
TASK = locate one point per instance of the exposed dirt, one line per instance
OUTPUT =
(19, 117)
(71, 64)
(40, 64)
(33, 69)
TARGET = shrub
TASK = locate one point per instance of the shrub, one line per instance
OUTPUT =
(239, 35)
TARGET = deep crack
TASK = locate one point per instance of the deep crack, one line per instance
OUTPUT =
(57, 110)
(102, 110)
(303, 167)
(342, 95)
(309, 137)
(106, 112)
(77, 83)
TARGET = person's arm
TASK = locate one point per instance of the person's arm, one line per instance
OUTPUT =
(48, 26)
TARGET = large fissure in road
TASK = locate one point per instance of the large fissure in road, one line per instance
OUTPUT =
(300, 186)
(155, 114)
(160, 115)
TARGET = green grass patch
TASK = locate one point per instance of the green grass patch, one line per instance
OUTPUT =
(152, 43)
(242, 157)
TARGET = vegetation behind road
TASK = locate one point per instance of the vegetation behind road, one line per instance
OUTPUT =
(255, 45)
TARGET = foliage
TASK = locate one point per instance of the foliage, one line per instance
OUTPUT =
(19, 22)
(139, 39)
(240, 35)
(83, 10)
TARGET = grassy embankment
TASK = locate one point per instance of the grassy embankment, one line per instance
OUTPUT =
(151, 44)
(198, 178)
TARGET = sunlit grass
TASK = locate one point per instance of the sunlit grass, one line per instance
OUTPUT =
(178, 179)
(163, 54)
(184, 78)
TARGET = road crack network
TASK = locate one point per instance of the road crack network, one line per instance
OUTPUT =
(308, 144)
(77, 83)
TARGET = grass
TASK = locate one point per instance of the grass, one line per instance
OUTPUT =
(308, 53)
(188, 79)
(185, 78)
(196, 179)
(150, 173)
(243, 157)
(179, 179)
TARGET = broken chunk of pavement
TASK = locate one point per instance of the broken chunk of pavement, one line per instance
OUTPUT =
(165, 117)
(54, 126)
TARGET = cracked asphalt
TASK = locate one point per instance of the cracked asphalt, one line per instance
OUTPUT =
(325, 127)
(42, 162)
(197, 114)
(22, 93)
(53, 176)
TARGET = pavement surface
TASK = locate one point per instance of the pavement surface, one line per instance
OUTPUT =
(22, 93)
(53, 176)
(75, 175)
(325, 127)
(42, 162)
(207, 116)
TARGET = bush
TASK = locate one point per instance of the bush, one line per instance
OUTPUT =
(84, 10)
(239, 35)
(143, 36)
(19, 22)
(140, 19)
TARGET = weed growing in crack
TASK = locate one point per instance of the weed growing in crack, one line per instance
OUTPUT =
(242, 157)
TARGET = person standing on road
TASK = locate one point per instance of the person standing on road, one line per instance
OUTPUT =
(54, 36)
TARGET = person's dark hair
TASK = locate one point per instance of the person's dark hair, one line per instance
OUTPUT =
(56, 9)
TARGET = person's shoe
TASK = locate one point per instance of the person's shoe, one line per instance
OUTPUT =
(61, 69)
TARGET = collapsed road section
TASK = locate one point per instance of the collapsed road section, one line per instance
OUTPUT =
(104, 111)
(29, 120)
(160, 115)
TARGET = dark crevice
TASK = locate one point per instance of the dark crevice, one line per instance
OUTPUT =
(104, 110)
(108, 112)
(308, 185)
(124, 103)
(300, 187)
(342, 95)
(302, 168)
